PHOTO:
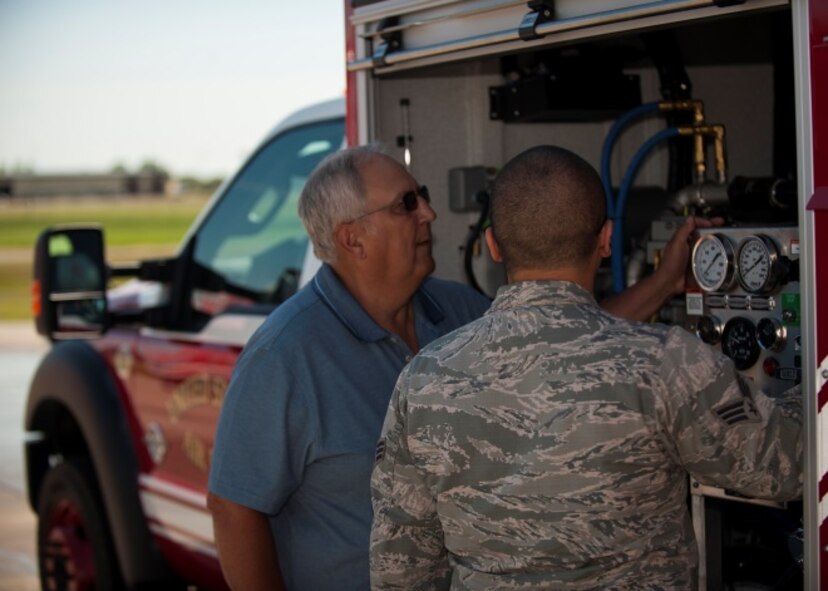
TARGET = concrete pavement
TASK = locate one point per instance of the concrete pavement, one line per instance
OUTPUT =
(20, 335)
(20, 351)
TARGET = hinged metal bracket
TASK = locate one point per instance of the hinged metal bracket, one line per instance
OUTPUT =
(543, 11)
(391, 41)
(822, 375)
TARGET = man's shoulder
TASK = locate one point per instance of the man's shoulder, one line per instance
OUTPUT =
(663, 348)
(292, 322)
(456, 297)
(643, 341)
(452, 345)
(450, 288)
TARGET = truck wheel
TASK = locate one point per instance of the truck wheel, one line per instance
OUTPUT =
(74, 544)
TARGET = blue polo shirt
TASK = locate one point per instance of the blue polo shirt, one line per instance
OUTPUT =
(301, 418)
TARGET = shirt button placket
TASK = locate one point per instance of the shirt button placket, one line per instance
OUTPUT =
(405, 353)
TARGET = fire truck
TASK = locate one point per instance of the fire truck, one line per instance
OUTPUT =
(122, 411)
(686, 107)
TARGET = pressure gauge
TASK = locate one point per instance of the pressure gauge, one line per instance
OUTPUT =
(739, 342)
(709, 329)
(713, 262)
(758, 264)
(771, 334)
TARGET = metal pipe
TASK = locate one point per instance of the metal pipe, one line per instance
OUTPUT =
(700, 158)
(704, 196)
(695, 105)
(717, 132)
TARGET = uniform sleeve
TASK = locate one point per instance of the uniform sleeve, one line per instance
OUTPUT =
(724, 430)
(407, 551)
(264, 436)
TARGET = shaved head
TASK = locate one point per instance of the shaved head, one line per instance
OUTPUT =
(547, 209)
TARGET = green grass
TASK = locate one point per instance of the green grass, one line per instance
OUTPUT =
(135, 228)
(144, 221)
(15, 291)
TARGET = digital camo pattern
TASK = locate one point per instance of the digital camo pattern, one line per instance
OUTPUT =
(547, 445)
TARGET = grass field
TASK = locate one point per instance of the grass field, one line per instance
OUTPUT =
(135, 228)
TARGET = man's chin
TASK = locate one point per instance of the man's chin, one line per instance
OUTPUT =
(428, 266)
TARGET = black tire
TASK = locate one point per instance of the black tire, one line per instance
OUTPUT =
(74, 544)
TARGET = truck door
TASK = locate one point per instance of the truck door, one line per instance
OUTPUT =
(244, 258)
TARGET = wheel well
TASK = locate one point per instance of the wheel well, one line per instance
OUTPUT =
(75, 410)
(57, 435)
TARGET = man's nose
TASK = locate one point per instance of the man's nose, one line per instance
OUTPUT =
(425, 211)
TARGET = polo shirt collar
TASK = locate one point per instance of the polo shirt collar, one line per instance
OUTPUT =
(333, 293)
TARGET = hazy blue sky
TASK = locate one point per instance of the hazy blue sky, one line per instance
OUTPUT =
(193, 84)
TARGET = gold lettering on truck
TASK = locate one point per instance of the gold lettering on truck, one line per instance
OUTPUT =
(196, 451)
(195, 391)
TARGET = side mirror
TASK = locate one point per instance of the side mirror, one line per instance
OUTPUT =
(70, 277)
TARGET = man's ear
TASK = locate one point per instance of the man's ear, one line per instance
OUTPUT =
(494, 248)
(348, 238)
(605, 239)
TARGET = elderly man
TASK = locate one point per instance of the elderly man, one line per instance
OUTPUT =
(547, 444)
(296, 439)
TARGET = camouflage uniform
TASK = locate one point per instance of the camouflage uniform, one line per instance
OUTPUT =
(547, 446)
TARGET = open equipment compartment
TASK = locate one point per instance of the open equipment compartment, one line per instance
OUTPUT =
(456, 89)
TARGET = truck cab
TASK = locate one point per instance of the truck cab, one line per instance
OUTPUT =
(122, 410)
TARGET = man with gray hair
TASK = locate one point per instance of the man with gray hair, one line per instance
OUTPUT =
(547, 444)
(296, 439)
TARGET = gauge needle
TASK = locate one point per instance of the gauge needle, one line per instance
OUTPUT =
(715, 258)
(749, 269)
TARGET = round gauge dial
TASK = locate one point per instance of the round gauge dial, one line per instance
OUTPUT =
(713, 262)
(758, 258)
(739, 342)
(709, 329)
(770, 334)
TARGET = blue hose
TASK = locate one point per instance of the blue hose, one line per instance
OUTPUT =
(619, 282)
(609, 144)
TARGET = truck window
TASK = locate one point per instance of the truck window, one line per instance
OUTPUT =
(253, 237)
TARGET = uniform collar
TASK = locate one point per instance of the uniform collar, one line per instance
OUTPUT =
(524, 294)
(336, 296)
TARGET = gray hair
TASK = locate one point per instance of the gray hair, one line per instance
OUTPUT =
(334, 194)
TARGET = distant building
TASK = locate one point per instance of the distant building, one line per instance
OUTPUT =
(68, 185)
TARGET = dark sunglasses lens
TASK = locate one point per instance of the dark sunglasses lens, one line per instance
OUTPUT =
(410, 201)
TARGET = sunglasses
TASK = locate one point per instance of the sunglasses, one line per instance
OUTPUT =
(409, 202)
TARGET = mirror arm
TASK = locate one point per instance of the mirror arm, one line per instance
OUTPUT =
(124, 270)
(206, 278)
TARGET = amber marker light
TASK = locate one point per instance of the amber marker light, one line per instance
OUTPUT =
(36, 302)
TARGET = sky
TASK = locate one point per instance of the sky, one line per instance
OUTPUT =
(193, 85)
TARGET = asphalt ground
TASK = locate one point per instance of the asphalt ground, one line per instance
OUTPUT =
(20, 351)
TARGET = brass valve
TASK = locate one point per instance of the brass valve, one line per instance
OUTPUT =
(699, 132)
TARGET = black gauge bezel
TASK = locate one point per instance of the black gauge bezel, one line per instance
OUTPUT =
(741, 363)
(779, 331)
(715, 326)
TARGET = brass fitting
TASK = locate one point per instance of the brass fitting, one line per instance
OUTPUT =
(717, 132)
(694, 105)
